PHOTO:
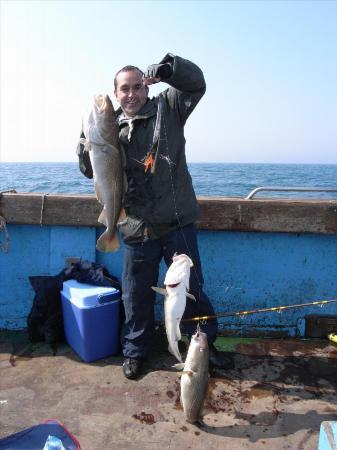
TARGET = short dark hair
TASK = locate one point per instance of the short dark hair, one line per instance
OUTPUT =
(126, 69)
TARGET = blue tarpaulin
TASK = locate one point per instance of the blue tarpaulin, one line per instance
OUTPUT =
(34, 438)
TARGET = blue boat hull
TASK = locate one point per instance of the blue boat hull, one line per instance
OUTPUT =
(242, 271)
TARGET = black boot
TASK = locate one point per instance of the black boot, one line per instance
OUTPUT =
(132, 367)
(219, 360)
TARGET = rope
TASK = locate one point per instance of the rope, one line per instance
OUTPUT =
(42, 209)
(4, 246)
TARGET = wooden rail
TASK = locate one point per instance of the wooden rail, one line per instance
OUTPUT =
(217, 213)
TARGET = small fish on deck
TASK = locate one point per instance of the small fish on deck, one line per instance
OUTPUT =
(194, 378)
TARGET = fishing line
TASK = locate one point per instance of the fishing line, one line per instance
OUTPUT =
(261, 310)
(170, 163)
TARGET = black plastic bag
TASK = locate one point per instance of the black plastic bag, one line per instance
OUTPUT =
(91, 273)
(84, 158)
(45, 320)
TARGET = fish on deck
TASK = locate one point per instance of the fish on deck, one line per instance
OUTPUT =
(105, 156)
(194, 378)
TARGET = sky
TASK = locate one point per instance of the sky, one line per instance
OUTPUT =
(270, 69)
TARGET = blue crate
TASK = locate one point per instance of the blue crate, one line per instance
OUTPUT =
(91, 319)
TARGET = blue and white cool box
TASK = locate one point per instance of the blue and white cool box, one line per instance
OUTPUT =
(91, 319)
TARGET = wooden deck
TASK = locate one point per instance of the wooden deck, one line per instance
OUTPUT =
(275, 397)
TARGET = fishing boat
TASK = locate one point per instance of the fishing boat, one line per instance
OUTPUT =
(270, 269)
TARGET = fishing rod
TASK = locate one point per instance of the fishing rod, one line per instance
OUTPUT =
(261, 310)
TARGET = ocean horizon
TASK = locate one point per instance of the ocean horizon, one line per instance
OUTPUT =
(209, 179)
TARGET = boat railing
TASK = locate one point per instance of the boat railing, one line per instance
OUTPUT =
(288, 189)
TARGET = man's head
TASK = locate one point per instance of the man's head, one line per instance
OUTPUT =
(130, 91)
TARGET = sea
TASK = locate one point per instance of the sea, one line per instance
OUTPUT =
(209, 179)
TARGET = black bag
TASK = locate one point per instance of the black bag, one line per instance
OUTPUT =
(84, 158)
(45, 320)
(90, 273)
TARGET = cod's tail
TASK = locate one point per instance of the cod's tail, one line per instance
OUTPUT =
(107, 244)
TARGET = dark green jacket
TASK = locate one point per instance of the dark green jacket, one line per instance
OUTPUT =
(164, 199)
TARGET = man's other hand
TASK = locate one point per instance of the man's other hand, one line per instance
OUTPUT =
(157, 72)
(150, 80)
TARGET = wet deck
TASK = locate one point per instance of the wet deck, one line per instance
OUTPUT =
(275, 398)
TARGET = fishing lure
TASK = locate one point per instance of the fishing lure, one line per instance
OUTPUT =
(333, 337)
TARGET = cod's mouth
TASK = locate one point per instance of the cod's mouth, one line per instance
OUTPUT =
(173, 285)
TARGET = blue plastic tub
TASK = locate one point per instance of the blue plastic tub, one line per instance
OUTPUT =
(328, 436)
(91, 319)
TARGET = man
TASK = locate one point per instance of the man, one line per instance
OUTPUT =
(160, 202)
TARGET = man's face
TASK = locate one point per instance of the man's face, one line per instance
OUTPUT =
(130, 92)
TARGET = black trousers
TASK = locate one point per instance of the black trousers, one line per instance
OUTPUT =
(140, 272)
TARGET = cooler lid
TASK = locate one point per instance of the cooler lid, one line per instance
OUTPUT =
(87, 295)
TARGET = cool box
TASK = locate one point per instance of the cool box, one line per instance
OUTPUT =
(91, 319)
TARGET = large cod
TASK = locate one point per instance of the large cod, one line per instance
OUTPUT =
(105, 156)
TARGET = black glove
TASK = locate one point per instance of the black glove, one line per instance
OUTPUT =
(161, 71)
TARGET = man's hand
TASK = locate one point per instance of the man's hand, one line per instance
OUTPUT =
(157, 72)
(151, 80)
